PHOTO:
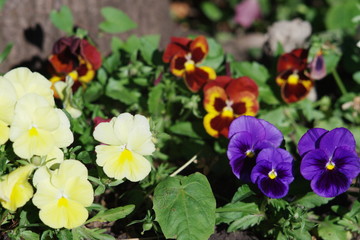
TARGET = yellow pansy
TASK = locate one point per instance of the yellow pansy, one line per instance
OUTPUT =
(15, 190)
(7, 105)
(63, 194)
(37, 127)
(127, 139)
(25, 81)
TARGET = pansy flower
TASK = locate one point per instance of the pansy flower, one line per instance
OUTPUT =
(184, 56)
(126, 139)
(63, 194)
(15, 190)
(273, 172)
(248, 136)
(226, 99)
(317, 66)
(292, 78)
(75, 57)
(7, 105)
(329, 160)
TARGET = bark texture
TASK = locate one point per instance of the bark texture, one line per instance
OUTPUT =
(26, 24)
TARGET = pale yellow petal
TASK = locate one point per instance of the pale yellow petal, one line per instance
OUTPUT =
(63, 135)
(123, 126)
(141, 121)
(46, 118)
(104, 133)
(67, 170)
(7, 100)
(79, 190)
(45, 193)
(140, 141)
(42, 174)
(66, 213)
(25, 81)
(105, 153)
(55, 156)
(4, 132)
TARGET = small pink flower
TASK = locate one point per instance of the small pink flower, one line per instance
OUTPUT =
(98, 120)
(317, 67)
(247, 12)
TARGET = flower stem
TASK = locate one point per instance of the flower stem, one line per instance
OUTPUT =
(193, 159)
(339, 82)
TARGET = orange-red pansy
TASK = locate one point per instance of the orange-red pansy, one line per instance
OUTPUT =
(184, 55)
(225, 99)
(292, 76)
(74, 57)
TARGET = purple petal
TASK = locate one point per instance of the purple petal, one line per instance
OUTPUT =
(260, 170)
(272, 134)
(330, 183)
(247, 124)
(240, 164)
(273, 188)
(347, 162)
(313, 164)
(274, 155)
(247, 12)
(338, 137)
(317, 67)
(284, 172)
(309, 141)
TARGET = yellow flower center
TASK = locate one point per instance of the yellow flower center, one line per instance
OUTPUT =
(330, 166)
(126, 155)
(33, 132)
(272, 174)
(293, 79)
(189, 66)
(62, 202)
(250, 153)
(227, 112)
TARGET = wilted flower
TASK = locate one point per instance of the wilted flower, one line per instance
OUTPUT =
(128, 139)
(248, 136)
(273, 172)
(226, 99)
(37, 127)
(7, 104)
(184, 54)
(293, 78)
(329, 160)
(24, 81)
(15, 190)
(63, 194)
(247, 12)
(317, 66)
(75, 57)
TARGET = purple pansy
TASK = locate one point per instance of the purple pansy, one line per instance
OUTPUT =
(329, 160)
(248, 136)
(273, 172)
(318, 67)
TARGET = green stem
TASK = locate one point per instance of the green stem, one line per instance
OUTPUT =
(339, 82)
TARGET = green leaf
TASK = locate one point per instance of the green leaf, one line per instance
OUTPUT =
(331, 59)
(83, 233)
(149, 44)
(116, 44)
(233, 211)
(185, 129)
(245, 222)
(342, 16)
(132, 44)
(84, 157)
(2, 3)
(29, 235)
(211, 11)
(112, 214)
(155, 100)
(185, 207)
(64, 234)
(116, 90)
(356, 77)
(311, 200)
(5, 52)
(253, 70)
(215, 56)
(93, 92)
(63, 19)
(116, 21)
(243, 192)
(328, 230)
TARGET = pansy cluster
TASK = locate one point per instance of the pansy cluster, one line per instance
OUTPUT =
(225, 98)
(38, 131)
(329, 159)
(296, 76)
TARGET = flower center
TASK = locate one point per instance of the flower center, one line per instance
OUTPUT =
(189, 65)
(62, 202)
(293, 79)
(33, 132)
(272, 174)
(126, 155)
(330, 165)
(250, 153)
(227, 111)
